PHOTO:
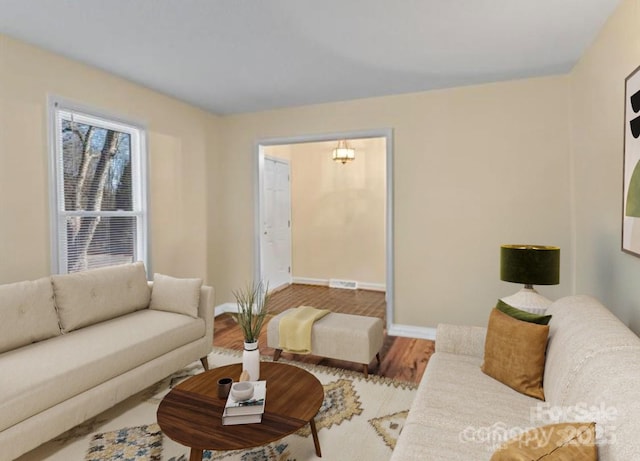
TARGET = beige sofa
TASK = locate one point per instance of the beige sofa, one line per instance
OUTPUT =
(72, 346)
(592, 373)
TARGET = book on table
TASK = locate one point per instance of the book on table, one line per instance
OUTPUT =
(241, 419)
(246, 411)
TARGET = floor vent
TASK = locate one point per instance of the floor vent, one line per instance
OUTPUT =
(348, 284)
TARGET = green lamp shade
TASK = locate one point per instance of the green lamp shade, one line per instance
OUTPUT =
(530, 264)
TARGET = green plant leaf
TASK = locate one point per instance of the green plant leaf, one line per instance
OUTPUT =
(252, 309)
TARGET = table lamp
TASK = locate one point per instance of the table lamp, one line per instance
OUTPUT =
(530, 265)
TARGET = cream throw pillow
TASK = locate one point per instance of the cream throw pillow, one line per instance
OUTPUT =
(171, 294)
(27, 313)
(555, 442)
(95, 295)
(515, 352)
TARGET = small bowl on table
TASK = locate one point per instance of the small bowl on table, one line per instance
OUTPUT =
(241, 391)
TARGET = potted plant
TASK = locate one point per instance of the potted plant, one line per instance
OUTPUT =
(252, 309)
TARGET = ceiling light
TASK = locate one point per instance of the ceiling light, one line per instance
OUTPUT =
(343, 153)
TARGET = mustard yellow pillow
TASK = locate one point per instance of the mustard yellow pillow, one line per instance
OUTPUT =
(555, 442)
(514, 353)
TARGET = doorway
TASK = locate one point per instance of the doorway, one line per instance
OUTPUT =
(264, 266)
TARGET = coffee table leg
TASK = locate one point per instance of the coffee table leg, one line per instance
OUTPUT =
(196, 455)
(316, 442)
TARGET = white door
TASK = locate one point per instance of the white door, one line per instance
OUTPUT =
(276, 223)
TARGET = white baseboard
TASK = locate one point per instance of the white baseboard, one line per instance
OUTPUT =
(410, 331)
(226, 308)
(325, 283)
(372, 286)
(310, 281)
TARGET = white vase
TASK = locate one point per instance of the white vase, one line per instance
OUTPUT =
(251, 360)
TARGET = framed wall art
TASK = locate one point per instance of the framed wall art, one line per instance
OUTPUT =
(631, 175)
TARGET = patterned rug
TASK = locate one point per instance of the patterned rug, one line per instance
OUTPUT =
(142, 442)
(359, 420)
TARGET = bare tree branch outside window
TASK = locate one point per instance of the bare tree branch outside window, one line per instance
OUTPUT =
(97, 178)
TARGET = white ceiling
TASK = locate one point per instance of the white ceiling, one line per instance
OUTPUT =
(233, 56)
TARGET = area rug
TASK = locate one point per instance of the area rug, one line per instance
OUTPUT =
(359, 420)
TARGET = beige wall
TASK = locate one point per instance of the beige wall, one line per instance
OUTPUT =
(597, 111)
(338, 211)
(282, 152)
(474, 167)
(180, 140)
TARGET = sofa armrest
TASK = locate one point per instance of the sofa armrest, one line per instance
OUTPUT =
(461, 339)
(205, 310)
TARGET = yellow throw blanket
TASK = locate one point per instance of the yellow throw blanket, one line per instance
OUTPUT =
(295, 329)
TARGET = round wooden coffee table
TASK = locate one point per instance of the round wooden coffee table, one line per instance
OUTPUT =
(191, 414)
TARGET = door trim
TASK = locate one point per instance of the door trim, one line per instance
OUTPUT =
(386, 133)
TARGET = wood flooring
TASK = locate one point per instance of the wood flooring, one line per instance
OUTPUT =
(404, 359)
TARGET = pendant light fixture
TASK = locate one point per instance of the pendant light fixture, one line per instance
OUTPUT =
(343, 153)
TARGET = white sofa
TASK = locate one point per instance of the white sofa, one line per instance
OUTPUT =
(592, 373)
(72, 346)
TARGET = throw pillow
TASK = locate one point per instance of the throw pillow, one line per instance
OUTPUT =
(522, 315)
(555, 442)
(95, 295)
(171, 294)
(514, 353)
(28, 313)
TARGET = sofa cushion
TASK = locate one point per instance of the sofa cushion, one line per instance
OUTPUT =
(171, 294)
(514, 353)
(28, 313)
(564, 441)
(72, 363)
(607, 390)
(88, 297)
(459, 413)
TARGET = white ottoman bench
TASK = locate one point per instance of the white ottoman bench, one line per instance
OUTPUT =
(354, 338)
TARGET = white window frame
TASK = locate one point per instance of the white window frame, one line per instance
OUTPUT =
(60, 108)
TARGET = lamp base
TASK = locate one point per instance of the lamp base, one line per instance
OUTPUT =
(528, 299)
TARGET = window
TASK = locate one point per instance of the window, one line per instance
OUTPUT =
(99, 190)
